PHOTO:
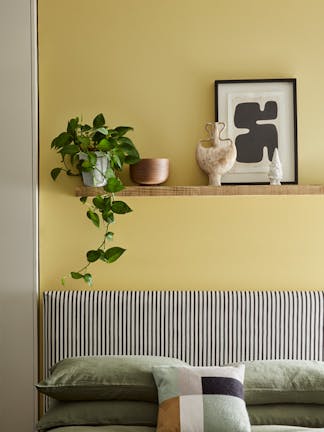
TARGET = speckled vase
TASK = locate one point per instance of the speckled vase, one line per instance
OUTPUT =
(215, 155)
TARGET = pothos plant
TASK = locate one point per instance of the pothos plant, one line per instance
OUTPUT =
(79, 147)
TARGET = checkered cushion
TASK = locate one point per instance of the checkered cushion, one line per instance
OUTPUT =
(201, 399)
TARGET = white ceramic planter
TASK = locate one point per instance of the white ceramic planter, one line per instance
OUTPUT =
(95, 178)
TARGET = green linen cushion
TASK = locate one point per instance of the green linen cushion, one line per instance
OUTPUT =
(110, 428)
(99, 413)
(275, 428)
(201, 399)
(306, 415)
(284, 381)
(104, 378)
(117, 428)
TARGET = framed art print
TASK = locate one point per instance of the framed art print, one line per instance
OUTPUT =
(260, 116)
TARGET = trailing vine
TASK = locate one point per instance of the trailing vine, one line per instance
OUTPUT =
(79, 147)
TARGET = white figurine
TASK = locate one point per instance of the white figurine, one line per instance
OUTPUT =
(217, 158)
(275, 169)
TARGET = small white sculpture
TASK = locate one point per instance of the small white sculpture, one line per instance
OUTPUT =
(275, 169)
(217, 158)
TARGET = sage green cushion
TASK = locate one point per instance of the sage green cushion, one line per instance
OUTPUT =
(99, 413)
(114, 428)
(117, 428)
(105, 378)
(287, 414)
(269, 428)
(284, 381)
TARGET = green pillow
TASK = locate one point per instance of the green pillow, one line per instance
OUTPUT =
(99, 413)
(201, 399)
(113, 428)
(284, 381)
(287, 414)
(262, 428)
(105, 378)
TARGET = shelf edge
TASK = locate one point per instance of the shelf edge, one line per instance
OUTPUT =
(225, 190)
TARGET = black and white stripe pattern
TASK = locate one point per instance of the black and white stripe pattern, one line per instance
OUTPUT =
(200, 327)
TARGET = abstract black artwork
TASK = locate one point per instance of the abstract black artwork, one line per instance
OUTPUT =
(260, 116)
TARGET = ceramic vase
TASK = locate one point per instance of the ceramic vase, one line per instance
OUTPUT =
(215, 155)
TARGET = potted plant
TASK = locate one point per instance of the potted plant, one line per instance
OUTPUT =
(98, 153)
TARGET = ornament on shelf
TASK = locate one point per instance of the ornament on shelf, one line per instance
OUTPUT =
(218, 156)
(275, 169)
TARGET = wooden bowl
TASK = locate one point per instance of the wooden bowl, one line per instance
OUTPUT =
(150, 171)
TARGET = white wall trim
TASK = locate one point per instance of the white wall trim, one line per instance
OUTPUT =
(19, 215)
(35, 137)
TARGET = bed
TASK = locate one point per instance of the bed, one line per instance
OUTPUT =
(200, 329)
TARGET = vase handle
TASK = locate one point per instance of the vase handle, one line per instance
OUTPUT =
(210, 128)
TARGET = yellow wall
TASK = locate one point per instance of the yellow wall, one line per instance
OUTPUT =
(152, 64)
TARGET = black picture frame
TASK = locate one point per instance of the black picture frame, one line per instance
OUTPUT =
(260, 115)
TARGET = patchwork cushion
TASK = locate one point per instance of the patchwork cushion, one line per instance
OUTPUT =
(201, 399)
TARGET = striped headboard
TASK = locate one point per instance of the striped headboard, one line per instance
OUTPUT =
(200, 327)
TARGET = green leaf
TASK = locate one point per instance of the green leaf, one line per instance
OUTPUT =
(63, 281)
(129, 149)
(122, 130)
(107, 204)
(113, 142)
(74, 159)
(84, 139)
(93, 255)
(115, 159)
(110, 173)
(104, 145)
(114, 185)
(97, 137)
(85, 128)
(132, 159)
(88, 279)
(109, 235)
(69, 150)
(103, 131)
(55, 172)
(84, 142)
(131, 154)
(120, 207)
(62, 140)
(125, 140)
(83, 199)
(108, 216)
(99, 121)
(72, 125)
(99, 202)
(93, 217)
(92, 158)
(113, 253)
(102, 255)
(76, 275)
(86, 166)
(119, 152)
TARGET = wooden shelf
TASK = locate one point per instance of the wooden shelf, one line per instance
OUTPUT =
(208, 190)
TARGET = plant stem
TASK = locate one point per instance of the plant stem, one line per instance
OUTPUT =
(102, 244)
